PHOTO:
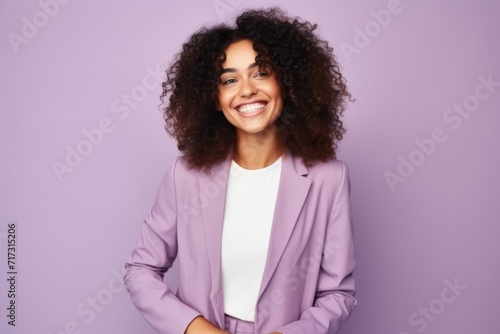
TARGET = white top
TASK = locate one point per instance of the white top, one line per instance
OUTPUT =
(248, 216)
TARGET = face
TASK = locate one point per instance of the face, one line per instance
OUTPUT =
(249, 96)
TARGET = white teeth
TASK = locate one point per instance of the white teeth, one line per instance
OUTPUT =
(252, 107)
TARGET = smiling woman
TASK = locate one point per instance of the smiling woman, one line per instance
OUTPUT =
(255, 110)
(250, 98)
(312, 88)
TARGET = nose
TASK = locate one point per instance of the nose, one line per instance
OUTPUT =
(247, 88)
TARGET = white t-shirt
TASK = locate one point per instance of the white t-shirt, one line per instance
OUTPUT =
(248, 216)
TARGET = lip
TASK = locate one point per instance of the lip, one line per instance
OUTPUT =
(251, 114)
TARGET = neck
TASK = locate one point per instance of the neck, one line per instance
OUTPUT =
(255, 151)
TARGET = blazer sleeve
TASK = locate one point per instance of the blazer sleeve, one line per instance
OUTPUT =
(153, 256)
(335, 290)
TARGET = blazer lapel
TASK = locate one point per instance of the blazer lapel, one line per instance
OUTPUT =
(213, 196)
(292, 192)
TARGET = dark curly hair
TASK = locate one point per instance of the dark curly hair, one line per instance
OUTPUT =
(312, 87)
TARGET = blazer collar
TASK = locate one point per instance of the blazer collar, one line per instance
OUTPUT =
(292, 192)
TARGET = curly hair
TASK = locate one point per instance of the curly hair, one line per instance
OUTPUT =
(312, 87)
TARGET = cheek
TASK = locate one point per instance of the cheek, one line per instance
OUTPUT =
(219, 101)
(275, 89)
(224, 100)
(279, 98)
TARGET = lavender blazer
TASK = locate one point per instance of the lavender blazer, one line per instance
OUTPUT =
(307, 286)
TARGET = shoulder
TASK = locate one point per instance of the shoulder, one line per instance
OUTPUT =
(330, 178)
(333, 170)
(181, 172)
(329, 166)
(331, 181)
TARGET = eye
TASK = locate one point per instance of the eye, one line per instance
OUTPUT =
(261, 74)
(228, 81)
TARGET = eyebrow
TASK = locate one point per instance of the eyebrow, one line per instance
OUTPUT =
(232, 69)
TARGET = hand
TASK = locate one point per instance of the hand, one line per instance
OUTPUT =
(200, 325)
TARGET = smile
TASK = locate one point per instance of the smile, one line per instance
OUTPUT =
(251, 107)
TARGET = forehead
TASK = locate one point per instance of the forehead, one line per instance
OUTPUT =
(240, 54)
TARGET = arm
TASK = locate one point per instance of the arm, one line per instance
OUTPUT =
(335, 290)
(153, 256)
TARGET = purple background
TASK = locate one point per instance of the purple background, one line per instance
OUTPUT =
(76, 231)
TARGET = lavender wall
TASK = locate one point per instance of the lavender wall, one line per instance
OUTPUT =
(83, 150)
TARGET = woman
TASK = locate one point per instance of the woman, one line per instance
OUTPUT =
(257, 209)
